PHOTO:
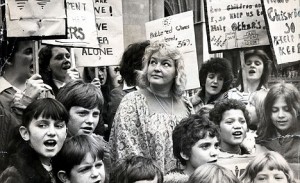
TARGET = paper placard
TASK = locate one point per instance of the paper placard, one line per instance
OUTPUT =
(283, 18)
(109, 8)
(81, 30)
(235, 24)
(26, 23)
(110, 37)
(178, 30)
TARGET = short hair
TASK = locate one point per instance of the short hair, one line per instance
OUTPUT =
(292, 98)
(47, 108)
(75, 150)
(136, 168)
(164, 48)
(132, 60)
(188, 132)
(272, 160)
(216, 114)
(218, 66)
(212, 173)
(266, 70)
(79, 93)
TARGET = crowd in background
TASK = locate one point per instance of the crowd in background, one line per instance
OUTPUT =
(134, 122)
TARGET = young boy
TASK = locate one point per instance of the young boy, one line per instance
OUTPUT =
(80, 160)
(195, 143)
(84, 103)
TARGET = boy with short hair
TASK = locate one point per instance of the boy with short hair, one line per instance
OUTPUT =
(195, 143)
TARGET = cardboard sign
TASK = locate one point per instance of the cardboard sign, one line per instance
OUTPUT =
(110, 8)
(178, 30)
(235, 24)
(110, 38)
(26, 18)
(81, 30)
(283, 18)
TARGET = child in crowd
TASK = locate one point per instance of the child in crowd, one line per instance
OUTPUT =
(195, 143)
(84, 103)
(80, 161)
(212, 173)
(232, 118)
(281, 129)
(40, 138)
(268, 167)
(136, 169)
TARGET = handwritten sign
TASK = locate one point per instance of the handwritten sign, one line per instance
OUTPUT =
(235, 24)
(283, 18)
(110, 8)
(178, 30)
(81, 30)
(26, 18)
(110, 38)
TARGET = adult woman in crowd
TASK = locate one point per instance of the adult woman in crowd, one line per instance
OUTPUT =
(55, 67)
(145, 116)
(130, 63)
(253, 75)
(19, 86)
(281, 129)
(215, 78)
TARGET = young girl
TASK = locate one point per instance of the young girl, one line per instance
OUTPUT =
(281, 129)
(40, 138)
(268, 167)
(80, 160)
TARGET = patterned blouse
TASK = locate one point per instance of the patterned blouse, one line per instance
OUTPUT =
(137, 132)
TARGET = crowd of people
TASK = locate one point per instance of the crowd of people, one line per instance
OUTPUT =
(59, 124)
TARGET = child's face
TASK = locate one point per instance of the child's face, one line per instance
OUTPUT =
(270, 176)
(83, 120)
(45, 136)
(233, 127)
(206, 150)
(90, 170)
(281, 116)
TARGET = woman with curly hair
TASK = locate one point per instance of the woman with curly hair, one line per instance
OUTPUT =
(215, 79)
(146, 116)
(253, 75)
(232, 118)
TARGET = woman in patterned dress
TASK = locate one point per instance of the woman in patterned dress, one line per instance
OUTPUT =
(145, 119)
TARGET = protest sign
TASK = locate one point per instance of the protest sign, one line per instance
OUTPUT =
(27, 18)
(283, 19)
(109, 24)
(235, 24)
(178, 30)
(109, 8)
(81, 29)
(110, 38)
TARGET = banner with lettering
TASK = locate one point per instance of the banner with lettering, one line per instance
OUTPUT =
(81, 30)
(178, 30)
(234, 24)
(109, 24)
(26, 18)
(283, 19)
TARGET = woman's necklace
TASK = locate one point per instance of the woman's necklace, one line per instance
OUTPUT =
(162, 105)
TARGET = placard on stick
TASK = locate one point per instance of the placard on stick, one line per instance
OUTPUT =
(178, 30)
(29, 18)
(81, 29)
(233, 24)
(283, 19)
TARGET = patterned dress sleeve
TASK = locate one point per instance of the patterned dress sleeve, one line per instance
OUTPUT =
(128, 134)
